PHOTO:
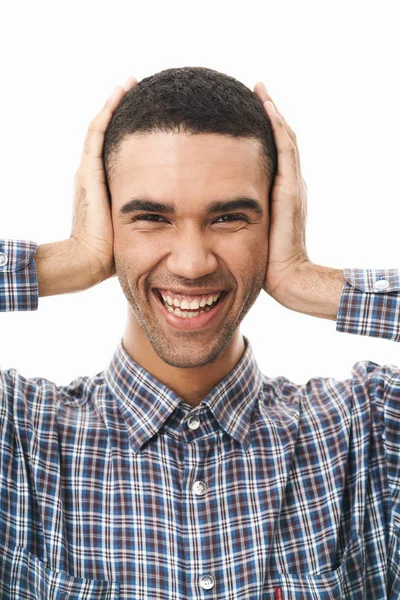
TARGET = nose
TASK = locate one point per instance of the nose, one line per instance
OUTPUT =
(191, 255)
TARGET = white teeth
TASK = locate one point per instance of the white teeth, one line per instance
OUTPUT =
(185, 314)
(186, 304)
(194, 304)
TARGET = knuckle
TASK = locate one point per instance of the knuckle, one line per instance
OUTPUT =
(92, 126)
(87, 143)
(81, 193)
(78, 174)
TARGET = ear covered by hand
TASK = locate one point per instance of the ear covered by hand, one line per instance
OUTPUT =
(92, 232)
(287, 228)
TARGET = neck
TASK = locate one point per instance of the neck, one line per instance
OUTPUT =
(192, 383)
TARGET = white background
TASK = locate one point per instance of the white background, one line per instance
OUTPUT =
(331, 68)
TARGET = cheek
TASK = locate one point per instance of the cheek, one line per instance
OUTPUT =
(136, 254)
(248, 249)
(248, 262)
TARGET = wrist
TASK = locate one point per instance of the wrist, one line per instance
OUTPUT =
(61, 269)
(313, 290)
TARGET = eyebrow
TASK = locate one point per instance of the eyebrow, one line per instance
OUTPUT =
(167, 208)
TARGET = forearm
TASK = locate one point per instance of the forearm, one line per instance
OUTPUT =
(61, 269)
(315, 290)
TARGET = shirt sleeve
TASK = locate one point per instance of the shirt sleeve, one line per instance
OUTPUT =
(18, 278)
(370, 303)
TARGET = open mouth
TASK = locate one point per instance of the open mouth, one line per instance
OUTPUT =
(190, 319)
(189, 312)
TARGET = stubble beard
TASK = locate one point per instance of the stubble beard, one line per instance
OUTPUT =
(188, 349)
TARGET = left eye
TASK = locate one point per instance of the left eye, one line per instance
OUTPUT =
(234, 217)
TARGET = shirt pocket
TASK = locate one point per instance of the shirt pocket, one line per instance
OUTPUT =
(341, 584)
(32, 579)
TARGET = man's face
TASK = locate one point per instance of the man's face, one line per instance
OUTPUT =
(192, 250)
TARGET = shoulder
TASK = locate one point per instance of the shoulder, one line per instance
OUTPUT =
(329, 398)
(325, 396)
(31, 395)
(14, 387)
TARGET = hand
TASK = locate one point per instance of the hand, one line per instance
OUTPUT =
(92, 231)
(287, 251)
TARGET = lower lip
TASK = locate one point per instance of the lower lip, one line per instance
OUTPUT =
(195, 322)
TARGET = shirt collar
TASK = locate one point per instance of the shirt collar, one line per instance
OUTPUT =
(146, 403)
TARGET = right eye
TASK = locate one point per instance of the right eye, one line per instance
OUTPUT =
(147, 218)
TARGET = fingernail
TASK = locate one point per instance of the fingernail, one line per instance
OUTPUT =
(130, 81)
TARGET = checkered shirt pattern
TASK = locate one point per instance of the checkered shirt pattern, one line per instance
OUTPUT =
(112, 487)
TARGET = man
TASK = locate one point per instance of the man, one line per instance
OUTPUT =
(181, 471)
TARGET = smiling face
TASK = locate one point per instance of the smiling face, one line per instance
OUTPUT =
(193, 247)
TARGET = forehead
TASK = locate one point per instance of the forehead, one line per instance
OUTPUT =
(180, 166)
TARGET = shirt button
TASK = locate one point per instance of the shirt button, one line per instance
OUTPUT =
(3, 259)
(381, 284)
(194, 423)
(207, 582)
(199, 488)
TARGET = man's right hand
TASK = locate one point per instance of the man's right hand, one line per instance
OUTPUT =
(92, 229)
(86, 258)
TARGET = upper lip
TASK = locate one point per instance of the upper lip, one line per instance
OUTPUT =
(191, 292)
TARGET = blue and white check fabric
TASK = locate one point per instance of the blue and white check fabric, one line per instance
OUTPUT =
(112, 487)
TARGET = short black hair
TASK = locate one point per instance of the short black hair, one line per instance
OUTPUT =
(191, 100)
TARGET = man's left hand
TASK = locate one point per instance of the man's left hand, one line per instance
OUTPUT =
(287, 251)
(291, 278)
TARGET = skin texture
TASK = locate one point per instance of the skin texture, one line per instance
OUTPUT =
(191, 249)
(188, 250)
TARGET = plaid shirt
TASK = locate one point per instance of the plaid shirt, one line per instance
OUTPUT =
(112, 487)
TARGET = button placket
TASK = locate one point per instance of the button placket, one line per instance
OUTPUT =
(200, 488)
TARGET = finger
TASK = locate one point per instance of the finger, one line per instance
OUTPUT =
(286, 149)
(129, 83)
(94, 140)
(262, 93)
